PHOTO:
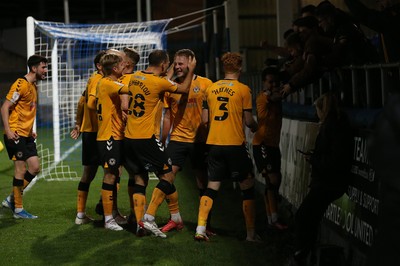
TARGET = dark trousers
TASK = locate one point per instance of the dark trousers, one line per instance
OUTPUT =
(386, 247)
(309, 216)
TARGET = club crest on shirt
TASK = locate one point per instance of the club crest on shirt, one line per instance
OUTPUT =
(196, 89)
(112, 161)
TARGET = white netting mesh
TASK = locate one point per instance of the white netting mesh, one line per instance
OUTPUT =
(75, 46)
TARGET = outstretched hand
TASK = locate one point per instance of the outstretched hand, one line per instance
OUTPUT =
(286, 90)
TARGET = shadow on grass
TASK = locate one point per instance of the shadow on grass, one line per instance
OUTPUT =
(6, 218)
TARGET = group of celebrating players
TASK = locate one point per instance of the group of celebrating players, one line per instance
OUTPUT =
(119, 118)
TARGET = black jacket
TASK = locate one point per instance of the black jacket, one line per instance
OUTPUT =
(386, 22)
(332, 157)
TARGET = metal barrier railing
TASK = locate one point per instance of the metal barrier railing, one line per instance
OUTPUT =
(365, 86)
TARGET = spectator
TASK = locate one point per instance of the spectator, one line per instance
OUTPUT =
(385, 21)
(350, 46)
(295, 48)
(281, 51)
(331, 162)
(385, 157)
(315, 47)
(308, 10)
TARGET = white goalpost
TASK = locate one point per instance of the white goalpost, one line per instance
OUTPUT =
(71, 49)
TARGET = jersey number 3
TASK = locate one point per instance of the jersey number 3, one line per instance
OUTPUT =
(224, 101)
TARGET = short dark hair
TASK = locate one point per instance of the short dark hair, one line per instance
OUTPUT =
(308, 22)
(287, 33)
(35, 60)
(98, 57)
(273, 71)
(308, 9)
(157, 57)
(294, 39)
(325, 9)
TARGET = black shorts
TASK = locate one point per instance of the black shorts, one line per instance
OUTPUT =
(110, 152)
(179, 151)
(146, 154)
(90, 155)
(228, 161)
(268, 158)
(22, 149)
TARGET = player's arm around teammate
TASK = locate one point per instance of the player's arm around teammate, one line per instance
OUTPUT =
(144, 149)
(110, 131)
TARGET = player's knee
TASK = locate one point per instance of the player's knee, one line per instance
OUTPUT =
(33, 165)
(166, 187)
(35, 171)
(247, 183)
(211, 193)
(169, 177)
(139, 189)
(274, 181)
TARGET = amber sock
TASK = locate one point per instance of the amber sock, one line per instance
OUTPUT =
(139, 201)
(173, 206)
(18, 188)
(157, 198)
(83, 191)
(107, 198)
(206, 204)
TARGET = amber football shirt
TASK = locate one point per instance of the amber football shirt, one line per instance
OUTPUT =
(186, 111)
(226, 101)
(145, 91)
(23, 95)
(269, 118)
(89, 121)
(109, 111)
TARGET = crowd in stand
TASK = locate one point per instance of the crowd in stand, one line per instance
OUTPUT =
(325, 38)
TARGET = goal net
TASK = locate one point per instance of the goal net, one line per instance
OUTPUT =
(71, 49)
